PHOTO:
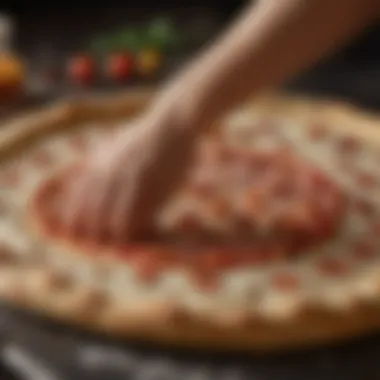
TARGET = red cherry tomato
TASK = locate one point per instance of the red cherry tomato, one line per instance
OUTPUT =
(81, 69)
(119, 67)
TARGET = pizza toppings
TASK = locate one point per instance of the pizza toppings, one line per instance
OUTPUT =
(206, 267)
(364, 207)
(219, 208)
(146, 266)
(349, 145)
(239, 208)
(244, 213)
(90, 302)
(285, 281)
(59, 281)
(366, 180)
(364, 250)
(188, 223)
(332, 267)
(318, 132)
(206, 280)
(7, 256)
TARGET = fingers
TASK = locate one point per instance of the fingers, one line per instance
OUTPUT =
(128, 190)
(93, 199)
(89, 199)
(135, 204)
(72, 207)
(84, 200)
(103, 190)
(115, 193)
(121, 215)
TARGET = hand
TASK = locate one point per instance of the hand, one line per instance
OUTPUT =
(121, 185)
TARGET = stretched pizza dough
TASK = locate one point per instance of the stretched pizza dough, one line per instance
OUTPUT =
(237, 207)
(326, 294)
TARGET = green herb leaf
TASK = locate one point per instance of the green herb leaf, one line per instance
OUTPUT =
(162, 34)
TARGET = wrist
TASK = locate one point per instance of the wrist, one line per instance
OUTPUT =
(173, 109)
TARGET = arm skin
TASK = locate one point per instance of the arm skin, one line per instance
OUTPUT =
(270, 42)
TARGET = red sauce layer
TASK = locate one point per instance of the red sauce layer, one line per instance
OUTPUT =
(285, 206)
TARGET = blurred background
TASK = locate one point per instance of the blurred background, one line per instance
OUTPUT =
(69, 47)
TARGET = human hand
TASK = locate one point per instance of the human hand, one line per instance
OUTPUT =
(121, 185)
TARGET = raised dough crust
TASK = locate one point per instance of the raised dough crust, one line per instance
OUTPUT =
(52, 294)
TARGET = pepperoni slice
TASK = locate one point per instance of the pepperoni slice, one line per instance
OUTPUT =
(220, 208)
(252, 256)
(227, 155)
(285, 282)
(277, 251)
(284, 188)
(7, 255)
(255, 202)
(365, 207)
(298, 218)
(147, 266)
(127, 252)
(318, 132)
(364, 251)
(188, 223)
(215, 259)
(349, 145)
(206, 281)
(332, 267)
(202, 188)
(367, 180)
(260, 163)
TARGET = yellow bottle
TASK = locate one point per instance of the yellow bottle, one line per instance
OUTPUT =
(148, 62)
(11, 68)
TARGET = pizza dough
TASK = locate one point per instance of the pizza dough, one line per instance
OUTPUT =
(189, 289)
(237, 208)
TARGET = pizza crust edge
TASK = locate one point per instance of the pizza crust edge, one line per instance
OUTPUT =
(48, 293)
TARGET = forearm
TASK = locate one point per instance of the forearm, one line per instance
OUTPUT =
(269, 43)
